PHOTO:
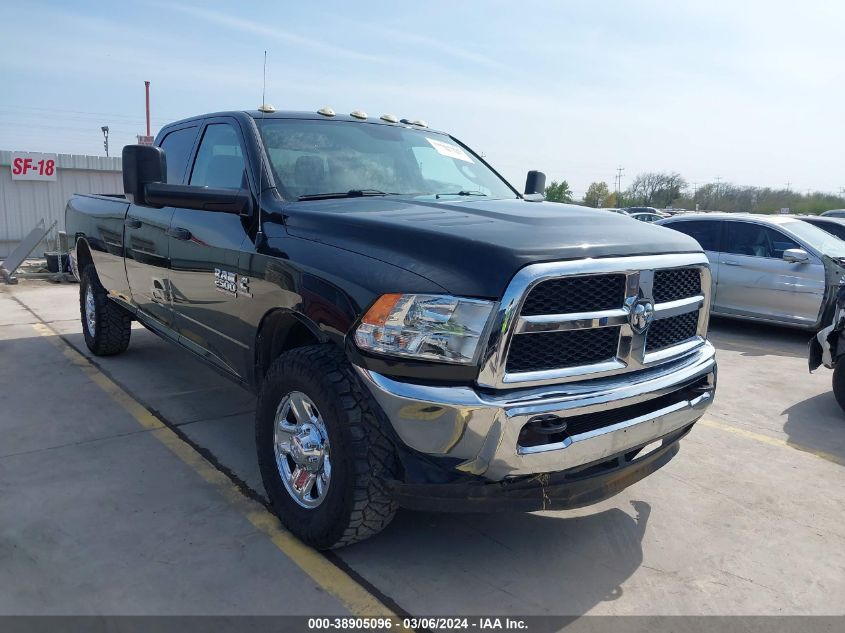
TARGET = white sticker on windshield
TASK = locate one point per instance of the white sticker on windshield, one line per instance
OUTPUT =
(447, 149)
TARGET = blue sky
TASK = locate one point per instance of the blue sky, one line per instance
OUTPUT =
(751, 91)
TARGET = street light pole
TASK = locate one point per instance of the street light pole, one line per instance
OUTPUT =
(105, 130)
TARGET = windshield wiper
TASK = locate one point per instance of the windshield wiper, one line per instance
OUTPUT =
(462, 193)
(352, 193)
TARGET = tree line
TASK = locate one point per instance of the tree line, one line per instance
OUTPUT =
(670, 189)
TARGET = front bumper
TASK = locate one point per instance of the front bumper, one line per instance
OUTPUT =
(555, 491)
(479, 430)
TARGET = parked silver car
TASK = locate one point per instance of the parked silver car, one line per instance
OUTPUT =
(768, 268)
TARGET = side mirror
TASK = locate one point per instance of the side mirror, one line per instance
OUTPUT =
(160, 194)
(142, 165)
(796, 256)
(535, 186)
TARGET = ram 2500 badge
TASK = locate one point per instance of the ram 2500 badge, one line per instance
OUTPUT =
(418, 332)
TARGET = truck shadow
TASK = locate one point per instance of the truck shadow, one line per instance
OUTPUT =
(540, 563)
(817, 424)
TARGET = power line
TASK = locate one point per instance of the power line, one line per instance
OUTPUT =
(84, 112)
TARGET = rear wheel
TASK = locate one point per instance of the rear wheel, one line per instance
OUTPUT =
(321, 449)
(106, 326)
(839, 382)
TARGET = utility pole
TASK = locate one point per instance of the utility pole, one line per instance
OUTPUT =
(618, 187)
(718, 185)
(148, 138)
(105, 130)
(788, 184)
(147, 91)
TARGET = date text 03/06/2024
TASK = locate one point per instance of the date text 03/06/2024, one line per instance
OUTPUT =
(430, 623)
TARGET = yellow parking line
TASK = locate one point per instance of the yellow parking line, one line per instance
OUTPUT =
(326, 574)
(773, 441)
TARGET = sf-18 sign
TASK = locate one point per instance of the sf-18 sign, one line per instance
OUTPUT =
(33, 166)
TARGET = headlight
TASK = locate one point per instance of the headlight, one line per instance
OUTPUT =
(427, 327)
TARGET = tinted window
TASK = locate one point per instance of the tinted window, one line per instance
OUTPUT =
(646, 217)
(834, 228)
(177, 147)
(220, 161)
(705, 232)
(744, 238)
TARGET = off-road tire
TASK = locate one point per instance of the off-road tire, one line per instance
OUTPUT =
(356, 505)
(113, 324)
(839, 382)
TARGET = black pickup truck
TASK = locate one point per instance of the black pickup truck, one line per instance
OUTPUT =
(418, 332)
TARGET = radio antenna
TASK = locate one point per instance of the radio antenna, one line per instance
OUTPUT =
(259, 236)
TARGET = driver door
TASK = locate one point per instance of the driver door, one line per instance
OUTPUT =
(755, 280)
(204, 252)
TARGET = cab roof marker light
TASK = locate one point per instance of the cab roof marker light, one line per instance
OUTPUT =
(326, 111)
(390, 118)
(266, 107)
(417, 122)
(358, 114)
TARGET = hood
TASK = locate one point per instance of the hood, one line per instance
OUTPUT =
(474, 247)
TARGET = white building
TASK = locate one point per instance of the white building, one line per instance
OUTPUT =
(23, 202)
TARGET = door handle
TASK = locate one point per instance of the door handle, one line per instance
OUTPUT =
(727, 263)
(179, 233)
(132, 223)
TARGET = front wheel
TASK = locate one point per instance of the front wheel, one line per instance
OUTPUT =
(106, 326)
(321, 449)
(839, 382)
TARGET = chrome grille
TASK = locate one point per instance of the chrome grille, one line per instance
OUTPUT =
(551, 350)
(665, 333)
(576, 294)
(676, 283)
(574, 320)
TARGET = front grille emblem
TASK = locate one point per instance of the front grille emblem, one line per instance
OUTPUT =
(641, 316)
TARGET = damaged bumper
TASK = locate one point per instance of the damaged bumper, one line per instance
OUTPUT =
(551, 491)
(491, 436)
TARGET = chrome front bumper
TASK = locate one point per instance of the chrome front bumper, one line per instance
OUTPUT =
(481, 428)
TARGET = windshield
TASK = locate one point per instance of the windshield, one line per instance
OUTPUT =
(313, 158)
(818, 238)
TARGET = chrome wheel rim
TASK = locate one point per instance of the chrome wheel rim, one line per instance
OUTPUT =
(90, 312)
(301, 445)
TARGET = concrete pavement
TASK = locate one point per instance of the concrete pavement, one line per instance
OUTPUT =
(97, 517)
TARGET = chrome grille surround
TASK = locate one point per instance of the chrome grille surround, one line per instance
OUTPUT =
(631, 353)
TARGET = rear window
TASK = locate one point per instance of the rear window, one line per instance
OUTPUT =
(177, 146)
(705, 232)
